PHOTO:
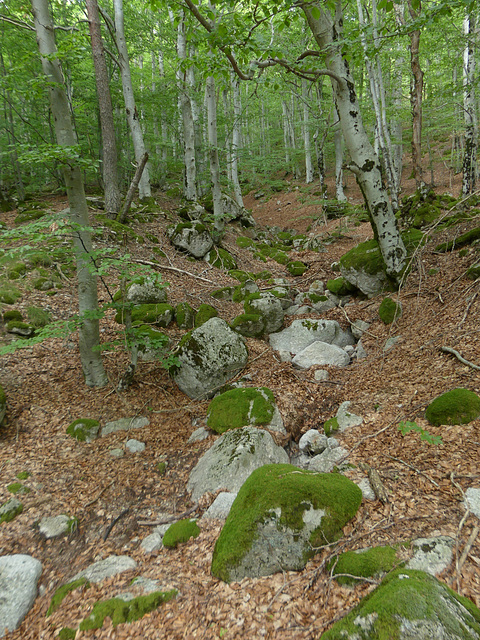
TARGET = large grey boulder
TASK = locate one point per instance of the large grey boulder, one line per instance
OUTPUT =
(192, 237)
(412, 605)
(302, 333)
(281, 514)
(19, 576)
(233, 211)
(208, 357)
(321, 353)
(432, 555)
(232, 459)
(148, 292)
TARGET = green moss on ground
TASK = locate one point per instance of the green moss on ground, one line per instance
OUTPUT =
(408, 595)
(290, 489)
(389, 310)
(368, 563)
(180, 532)
(340, 287)
(245, 243)
(205, 312)
(23, 475)
(474, 271)
(67, 633)
(458, 406)
(296, 268)
(120, 611)
(221, 259)
(38, 317)
(330, 426)
(239, 408)
(83, 429)
(8, 293)
(63, 591)
(17, 487)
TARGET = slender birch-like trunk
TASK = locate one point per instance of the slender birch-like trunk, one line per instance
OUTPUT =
(90, 357)
(113, 196)
(133, 117)
(327, 31)
(236, 139)
(338, 141)
(211, 99)
(469, 108)
(306, 133)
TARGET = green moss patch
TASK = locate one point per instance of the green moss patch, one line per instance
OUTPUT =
(38, 317)
(180, 532)
(120, 611)
(17, 487)
(205, 312)
(84, 429)
(10, 510)
(461, 241)
(245, 243)
(12, 314)
(221, 259)
(293, 491)
(159, 314)
(410, 596)
(251, 325)
(330, 426)
(63, 591)
(389, 311)
(366, 563)
(458, 406)
(340, 286)
(8, 293)
(225, 293)
(23, 475)
(296, 268)
(239, 408)
(184, 315)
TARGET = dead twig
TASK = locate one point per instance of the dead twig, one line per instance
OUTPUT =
(110, 527)
(457, 355)
(154, 265)
(469, 306)
(98, 495)
(415, 469)
(468, 546)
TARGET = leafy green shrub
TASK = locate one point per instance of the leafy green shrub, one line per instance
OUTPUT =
(405, 427)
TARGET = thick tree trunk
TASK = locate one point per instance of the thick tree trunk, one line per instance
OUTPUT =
(87, 282)
(133, 117)
(363, 161)
(113, 196)
(469, 107)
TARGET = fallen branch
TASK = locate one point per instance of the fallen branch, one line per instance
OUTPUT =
(162, 266)
(110, 527)
(155, 523)
(375, 482)
(468, 546)
(457, 355)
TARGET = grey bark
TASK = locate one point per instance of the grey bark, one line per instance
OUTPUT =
(87, 282)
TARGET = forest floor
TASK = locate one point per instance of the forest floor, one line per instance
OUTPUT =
(45, 392)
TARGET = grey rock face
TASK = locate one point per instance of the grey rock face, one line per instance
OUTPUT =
(328, 459)
(313, 442)
(146, 293)
(54, 526)
(303, 333)
(124, 424)
(220, 507)
(111, 566)
(211, 355)
(472, 496)
(135, 446)
(192, 237)
(345, 418)
(271, 310)
(321, 353)
(369, 284)
(19, 576)
(432, 555)
(232, 459)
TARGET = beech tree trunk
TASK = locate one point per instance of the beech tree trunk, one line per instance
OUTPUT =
(87, 282)
(306, 133)
(113, 196)
(327, 31)
(211, 100)
(469, 107)
(133, 117)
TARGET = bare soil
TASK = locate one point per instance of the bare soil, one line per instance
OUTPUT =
(425, 483)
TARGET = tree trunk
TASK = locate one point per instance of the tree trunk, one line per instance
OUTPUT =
(133, 117)
(113, 197)
(469, 107)
(236, 138)
(211, 97)
(416, 97)
(306, 134)
(338, 140)
(327, 32)
(87, 282)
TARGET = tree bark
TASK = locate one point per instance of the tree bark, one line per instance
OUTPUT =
(327, 31)
(469, 107)
(133, 117)
(113, 196)
(87, 282)
(211, 98)
(306, 134)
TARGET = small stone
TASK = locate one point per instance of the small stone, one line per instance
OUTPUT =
(124, 424)
(391, 342)
(220, 507)
(135, 446)
(111, 566)
(313, 442)
(117, 453)
(321, 375)
(472, 500)
(346, 419)
(54, 526)
(366, 489)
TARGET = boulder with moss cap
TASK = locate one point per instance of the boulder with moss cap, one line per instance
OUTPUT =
(458, 406)
(269, 307)
(409, 605)
(192, 237)
(284, 509)
(241, 407)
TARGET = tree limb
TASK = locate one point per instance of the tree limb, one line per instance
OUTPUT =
(457, 355)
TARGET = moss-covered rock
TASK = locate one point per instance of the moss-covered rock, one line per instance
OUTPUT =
(204, 313)
(245, 243)
(43, 284)
(389, 310)
(250, 325)
(152, 344)
(364, 563)
(474, 271)
(287, 509)
(460, 241)
(12, 314)
(220, 258)
(330, 426)
(340, 286)
(265, 251)
(158, 314)
(118, 230)
(268, 306)
(20, 328)
(9, 294)
(242, 291)
(180, 532)
(409, 605)
(121, 611)
(17, 487)
(192, 237)
(458, 406)
(10, 510)
(84, 429)
(225, 293)
(184, 315)
(296, 268)
(28, 216)
(239, 408)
